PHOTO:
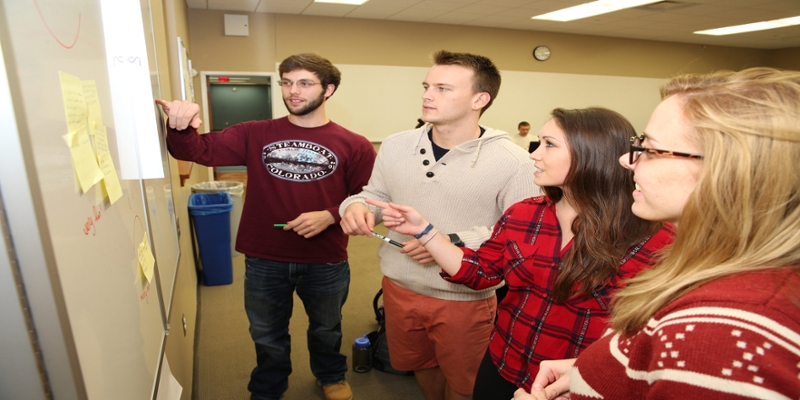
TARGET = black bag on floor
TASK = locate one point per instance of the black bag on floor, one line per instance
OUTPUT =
(380, 346)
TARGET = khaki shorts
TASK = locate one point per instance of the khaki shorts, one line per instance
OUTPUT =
(425, 332)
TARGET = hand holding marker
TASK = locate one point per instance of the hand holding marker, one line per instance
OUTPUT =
(386, 239)
(376, 234)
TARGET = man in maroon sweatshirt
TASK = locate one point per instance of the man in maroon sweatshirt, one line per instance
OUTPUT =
(299, 169)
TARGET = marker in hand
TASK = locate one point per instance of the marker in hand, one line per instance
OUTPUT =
(279, 225)
(387, 240)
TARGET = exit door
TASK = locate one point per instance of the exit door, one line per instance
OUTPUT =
(239, 99)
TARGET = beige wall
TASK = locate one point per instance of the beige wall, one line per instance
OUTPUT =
(213, 51)
(785, 58)
(404, 43)
(391, 52)
(360, 41)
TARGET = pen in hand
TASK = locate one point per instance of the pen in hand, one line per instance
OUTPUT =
(387, 240)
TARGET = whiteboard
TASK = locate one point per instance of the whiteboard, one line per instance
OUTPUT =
(110, 320)
(377, 101)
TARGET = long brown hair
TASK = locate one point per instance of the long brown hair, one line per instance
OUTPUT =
(744, 214)
(600, 192)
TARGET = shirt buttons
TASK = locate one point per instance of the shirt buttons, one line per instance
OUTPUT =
(425, 162)
(429, 174)
(421, 151)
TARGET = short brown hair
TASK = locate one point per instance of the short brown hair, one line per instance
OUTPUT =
(321, 67)
(487, 77)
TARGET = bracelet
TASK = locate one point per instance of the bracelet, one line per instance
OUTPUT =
(435, 232)
(423, 233)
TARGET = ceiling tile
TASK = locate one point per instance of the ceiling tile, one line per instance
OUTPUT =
(437, 5)
(414, 14)
(233, 5)
(483, 9)
(455, 18)
(506, 3)
(381, 10)
(328, 9)
(789, 7)
(462, 2)
(283, 6)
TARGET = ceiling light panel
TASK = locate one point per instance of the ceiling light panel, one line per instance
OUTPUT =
(755, 26)
(348, 2)
(592, 9)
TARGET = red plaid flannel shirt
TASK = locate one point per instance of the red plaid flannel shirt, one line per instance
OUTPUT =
(525, 251)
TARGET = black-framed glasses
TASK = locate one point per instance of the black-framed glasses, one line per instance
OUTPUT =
(302, 83)
(636, 151)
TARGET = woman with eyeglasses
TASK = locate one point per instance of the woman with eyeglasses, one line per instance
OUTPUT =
(719, 315)
(562, 255)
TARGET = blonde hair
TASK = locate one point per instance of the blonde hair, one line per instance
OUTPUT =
(744, 214)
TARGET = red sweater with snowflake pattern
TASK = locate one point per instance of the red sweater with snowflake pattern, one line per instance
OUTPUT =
(734, 338)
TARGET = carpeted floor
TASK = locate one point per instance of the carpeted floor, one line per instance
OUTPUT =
(225, 354)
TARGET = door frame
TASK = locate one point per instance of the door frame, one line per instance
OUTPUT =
(204, 94)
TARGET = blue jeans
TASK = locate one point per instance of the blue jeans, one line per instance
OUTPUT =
(268, 300)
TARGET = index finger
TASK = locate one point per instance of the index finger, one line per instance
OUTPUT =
(164, 105)
(377, 203)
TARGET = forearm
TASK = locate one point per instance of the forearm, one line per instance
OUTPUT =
(446, 254)
(211, 149)
(184, 145)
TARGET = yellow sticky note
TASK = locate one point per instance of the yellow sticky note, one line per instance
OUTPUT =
(111, 185)
(92, 101)
(83, 159)
(100, 138)
(74, 104)
(146, 260)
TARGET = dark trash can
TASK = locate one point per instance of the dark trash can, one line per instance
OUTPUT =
(211, 216)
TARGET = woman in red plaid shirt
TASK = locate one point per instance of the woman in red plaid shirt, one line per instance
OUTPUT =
(562, 255)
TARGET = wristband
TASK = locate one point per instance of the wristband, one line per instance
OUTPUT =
(433, 235)
(423, 233)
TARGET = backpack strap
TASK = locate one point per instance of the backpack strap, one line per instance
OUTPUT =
(378, 316)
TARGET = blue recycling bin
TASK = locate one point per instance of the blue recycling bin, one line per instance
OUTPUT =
(211, 213)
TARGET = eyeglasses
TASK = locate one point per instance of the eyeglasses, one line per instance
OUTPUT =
(636, 151)
(302, 83)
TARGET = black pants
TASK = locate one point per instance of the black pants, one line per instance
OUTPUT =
(501, 293)
(489, 385)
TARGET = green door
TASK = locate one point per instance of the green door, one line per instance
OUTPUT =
(233, 103)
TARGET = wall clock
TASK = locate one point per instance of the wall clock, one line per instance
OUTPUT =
(541, 53)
